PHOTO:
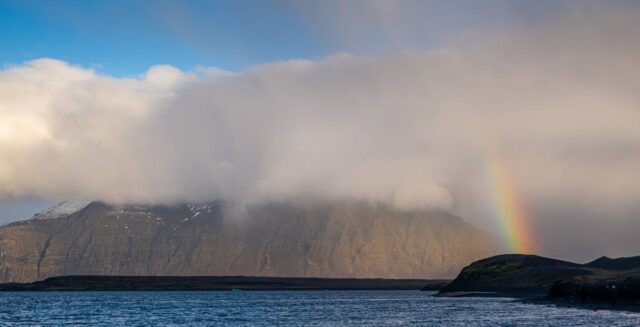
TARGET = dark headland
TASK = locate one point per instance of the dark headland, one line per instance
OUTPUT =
(212, 283)
(604, 281)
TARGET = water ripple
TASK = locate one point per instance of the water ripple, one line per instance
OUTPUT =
(302, 308)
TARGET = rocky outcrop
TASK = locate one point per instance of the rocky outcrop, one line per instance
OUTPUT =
(602, 280)
(347, 239)
(623, 288)
(613, 281)
(512, 275)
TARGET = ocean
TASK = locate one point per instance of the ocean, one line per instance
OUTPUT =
(289, 308)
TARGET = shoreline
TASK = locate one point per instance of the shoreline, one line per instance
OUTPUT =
(217, 283)
(594, 306)
(540, 298)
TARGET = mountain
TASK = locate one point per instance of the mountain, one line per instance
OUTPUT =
(529, 275)
(338, 239)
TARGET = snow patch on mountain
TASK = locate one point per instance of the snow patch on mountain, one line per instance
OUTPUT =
(62, 209)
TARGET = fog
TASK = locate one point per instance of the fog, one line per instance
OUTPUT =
(557, 103)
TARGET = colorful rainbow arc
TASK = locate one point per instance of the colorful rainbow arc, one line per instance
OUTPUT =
(510, 210)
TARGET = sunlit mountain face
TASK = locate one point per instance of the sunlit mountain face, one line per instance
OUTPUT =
(341, 239)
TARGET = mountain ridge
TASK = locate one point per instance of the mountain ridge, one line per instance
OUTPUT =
(333, 240)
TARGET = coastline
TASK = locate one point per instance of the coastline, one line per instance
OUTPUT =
(541, 298)
(595, 306)
(217, 283)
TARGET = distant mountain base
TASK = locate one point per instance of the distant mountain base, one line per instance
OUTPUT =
(339, 239)
(603, 281)
(213, 283)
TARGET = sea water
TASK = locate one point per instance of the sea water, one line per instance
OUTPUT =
(290, 308)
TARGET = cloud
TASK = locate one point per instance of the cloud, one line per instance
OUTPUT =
(558, 104)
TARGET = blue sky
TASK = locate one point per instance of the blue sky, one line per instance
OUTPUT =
(126, 37)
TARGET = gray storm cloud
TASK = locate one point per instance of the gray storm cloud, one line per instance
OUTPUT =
(558, 104)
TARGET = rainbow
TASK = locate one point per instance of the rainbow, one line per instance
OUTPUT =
(509, 209)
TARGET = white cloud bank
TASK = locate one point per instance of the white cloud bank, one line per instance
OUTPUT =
(560, 104)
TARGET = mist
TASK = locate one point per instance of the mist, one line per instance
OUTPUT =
(557, 103)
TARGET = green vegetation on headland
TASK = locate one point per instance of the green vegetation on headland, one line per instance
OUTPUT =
(603, 281)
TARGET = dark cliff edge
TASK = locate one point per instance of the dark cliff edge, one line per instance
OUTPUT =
(214, 283)
(604, 281)
(622, 289)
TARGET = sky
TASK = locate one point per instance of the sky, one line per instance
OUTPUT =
(405, 102)
(230, 35)
(125, 38)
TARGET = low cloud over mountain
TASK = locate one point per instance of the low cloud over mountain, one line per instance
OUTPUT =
(556, 104)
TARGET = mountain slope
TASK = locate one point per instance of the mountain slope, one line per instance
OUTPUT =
(627, 263)
(346, 239)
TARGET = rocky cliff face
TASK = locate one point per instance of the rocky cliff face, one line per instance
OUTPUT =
(323, 240)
